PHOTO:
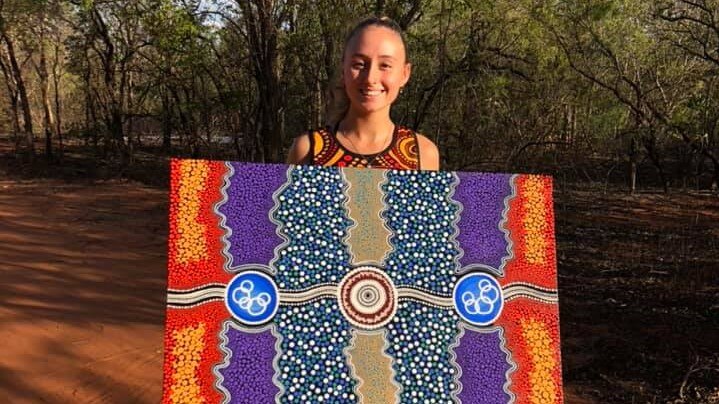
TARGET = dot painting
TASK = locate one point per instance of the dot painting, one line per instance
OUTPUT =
(297, 284)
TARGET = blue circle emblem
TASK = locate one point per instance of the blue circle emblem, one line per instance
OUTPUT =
(478, 298)
(252, 298)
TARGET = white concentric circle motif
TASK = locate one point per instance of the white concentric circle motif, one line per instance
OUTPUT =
(367, 297)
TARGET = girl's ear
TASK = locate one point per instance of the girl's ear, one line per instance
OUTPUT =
(407, 71)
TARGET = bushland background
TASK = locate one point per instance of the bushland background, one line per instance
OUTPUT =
(617, 99)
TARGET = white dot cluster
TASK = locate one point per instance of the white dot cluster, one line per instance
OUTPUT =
(421, 216)
(312, 216)
(312, 366)
(419, 338)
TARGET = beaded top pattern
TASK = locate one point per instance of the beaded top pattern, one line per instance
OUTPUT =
(402, 152)
(297, 284)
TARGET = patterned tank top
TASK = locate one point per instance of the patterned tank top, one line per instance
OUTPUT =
(402, 152)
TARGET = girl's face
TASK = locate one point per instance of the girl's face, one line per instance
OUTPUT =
(374, 68)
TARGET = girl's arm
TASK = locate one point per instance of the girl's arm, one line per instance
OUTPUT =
(300, 150)
(428, 154)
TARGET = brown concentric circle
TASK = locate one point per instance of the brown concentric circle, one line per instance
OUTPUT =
(367, 298)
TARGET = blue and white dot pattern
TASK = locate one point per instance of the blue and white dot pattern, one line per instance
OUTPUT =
(421, 216)
(478, 298)
(419, 337)
(312, 366)
(311, 214)
(251, 297)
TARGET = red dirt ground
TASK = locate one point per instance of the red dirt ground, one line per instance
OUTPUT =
(82, 293)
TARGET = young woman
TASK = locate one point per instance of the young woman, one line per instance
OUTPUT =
(361, 134)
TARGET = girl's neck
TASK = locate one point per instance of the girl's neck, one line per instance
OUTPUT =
(367, 129)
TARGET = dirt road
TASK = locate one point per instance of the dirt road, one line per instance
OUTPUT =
(82, 293)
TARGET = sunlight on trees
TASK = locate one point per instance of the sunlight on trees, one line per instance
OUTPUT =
(594, 90)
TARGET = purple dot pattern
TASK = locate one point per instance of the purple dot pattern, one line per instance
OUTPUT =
(484, 368)
(249, 199)
(247, 374)
(483, 197)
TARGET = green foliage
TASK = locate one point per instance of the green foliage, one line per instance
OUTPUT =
(488, 76)
(173, 28)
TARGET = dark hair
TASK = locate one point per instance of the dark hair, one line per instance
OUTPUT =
(338, 104)
(385, 22)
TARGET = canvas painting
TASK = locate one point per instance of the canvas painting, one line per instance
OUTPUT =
(302, 284)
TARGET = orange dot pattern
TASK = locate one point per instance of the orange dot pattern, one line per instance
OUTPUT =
(535, 220)
(530, 222)
(191, 245)
(194, 259)
(539, 344)
(531, 330)
(191, 351)
(531, 327)
(194, 239)
(188, 347)
(402, 154)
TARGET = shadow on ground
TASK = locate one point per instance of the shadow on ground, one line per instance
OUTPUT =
(83, 291)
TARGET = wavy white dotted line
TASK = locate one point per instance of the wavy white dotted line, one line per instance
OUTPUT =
(177, 298)
(182, 299)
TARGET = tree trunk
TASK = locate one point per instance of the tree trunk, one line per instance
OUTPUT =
(653, 153)
(56, 87)
(21, 90)
(15, 120)
(184, 122)
(190, 122)
(48, 121)
(715, 165)
(633, 155)
(166, 121)
(13, 98)
(90, 118)
(262, 23)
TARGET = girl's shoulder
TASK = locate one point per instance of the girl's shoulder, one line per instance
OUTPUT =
(419, 146)
(304, 145)
(428, 152)
(313, 135)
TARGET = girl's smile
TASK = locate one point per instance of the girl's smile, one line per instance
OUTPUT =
(371, 93)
